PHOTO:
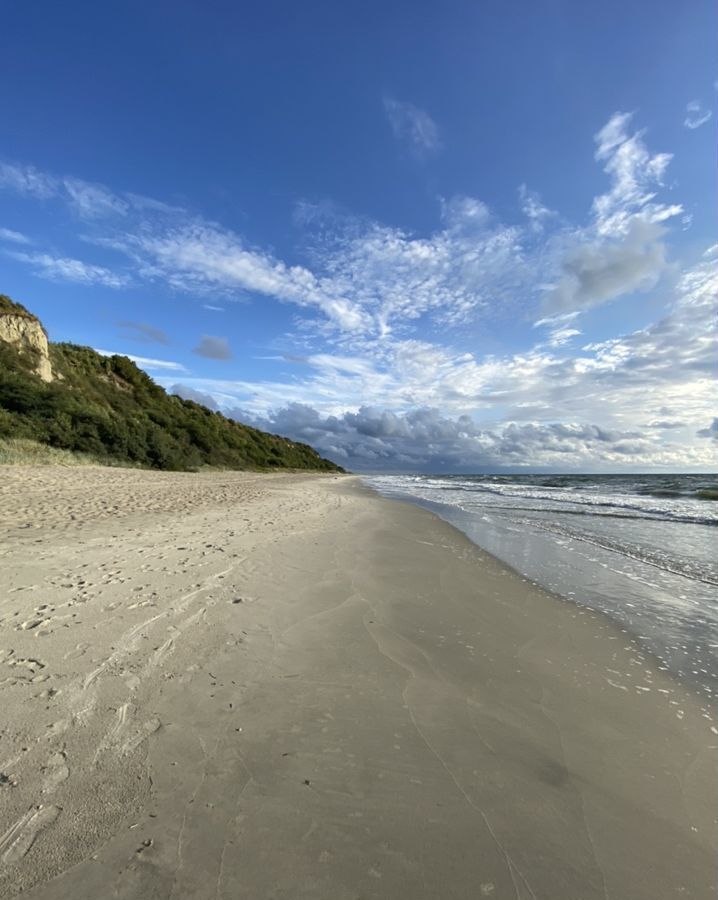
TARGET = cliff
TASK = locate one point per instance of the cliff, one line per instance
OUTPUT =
(71, 398)
(24, 331)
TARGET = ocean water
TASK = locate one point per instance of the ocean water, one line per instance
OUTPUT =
(643, 549)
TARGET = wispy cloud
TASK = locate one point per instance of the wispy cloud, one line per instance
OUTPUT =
(93, 201)
(635, 175)
(201, 256)
(144, 362)
(13, 237)
(696, 115)
(413, 126)
(533, 208)
(381, 408)
(57, 268)
(27, 180)
(87, 200)
(141, 331)
(369, 280)
(379, 308)
(560, 336)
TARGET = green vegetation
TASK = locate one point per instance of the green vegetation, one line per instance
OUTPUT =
(113, 413)
(10, 307)
(17, 451)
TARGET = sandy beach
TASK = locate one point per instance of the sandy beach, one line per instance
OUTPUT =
(229, 685)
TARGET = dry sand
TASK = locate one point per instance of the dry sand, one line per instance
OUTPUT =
(243, 686)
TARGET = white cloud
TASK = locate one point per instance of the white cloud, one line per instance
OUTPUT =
(369, 280)
(696, 115)
(622, 249)
(378, 309)
(27, 180)
(635, 175)
(396, 277)
(462, 213)
(413, 126)
(144, 362)
(13, 237)
(56, 268)
(201, 256)
(87, 200)
(560, 336)
(93, 201)
(533, 208)
(571, 410)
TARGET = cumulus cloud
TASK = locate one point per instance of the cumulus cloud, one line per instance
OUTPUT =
(141, 331)
(55, 268)
(382, 409)
(379, 310)
(425, 439)
(696, 115)
(213, 348)
(413, 126)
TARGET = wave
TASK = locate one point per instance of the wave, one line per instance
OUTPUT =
(691, 520)
(642, 555)
(679, 506)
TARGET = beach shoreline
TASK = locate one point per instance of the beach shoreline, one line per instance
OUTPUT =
(240, 685)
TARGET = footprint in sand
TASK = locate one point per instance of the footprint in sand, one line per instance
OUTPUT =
(33, 666)
(55, 772)
(19, 838)
(126, 735)
(80, 650)
(55, 729)
(29, 624)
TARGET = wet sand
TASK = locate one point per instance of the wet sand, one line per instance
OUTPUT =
(241, 686)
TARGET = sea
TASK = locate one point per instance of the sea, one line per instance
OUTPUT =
(642, 549)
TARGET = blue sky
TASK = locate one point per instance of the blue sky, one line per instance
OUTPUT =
(418, 236)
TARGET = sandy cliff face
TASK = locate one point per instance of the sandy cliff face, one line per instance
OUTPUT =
(28, 335)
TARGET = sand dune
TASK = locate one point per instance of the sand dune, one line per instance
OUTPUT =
(227, 685)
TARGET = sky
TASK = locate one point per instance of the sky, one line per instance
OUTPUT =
(456, 237)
